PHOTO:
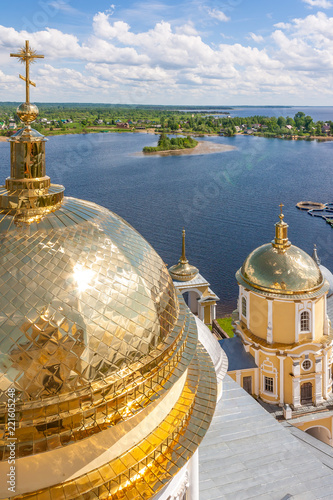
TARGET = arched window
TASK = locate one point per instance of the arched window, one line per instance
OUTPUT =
(305, 321)
(244, 307)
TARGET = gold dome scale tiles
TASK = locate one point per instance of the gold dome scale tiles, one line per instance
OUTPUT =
(102, 353)
(280, 267)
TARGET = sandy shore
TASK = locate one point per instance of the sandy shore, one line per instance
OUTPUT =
(3, 139)
(203, 148)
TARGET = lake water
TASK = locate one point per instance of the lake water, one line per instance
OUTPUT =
(227, 202)
(323, 113)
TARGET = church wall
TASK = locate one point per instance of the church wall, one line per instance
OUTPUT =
(248, 373)
(207, 314)
(326, 422)
(319, 317)
(258, 315)
(283, 322)
(269, 369)
(239, 375)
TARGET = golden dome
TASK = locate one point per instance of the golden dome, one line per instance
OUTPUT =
(280, 267)
(113, 391)
(183, 270)
(83, 287)
(290, 272)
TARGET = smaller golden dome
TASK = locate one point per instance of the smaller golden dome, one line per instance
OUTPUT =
(280, 267)
(183, 271)
(27, 112)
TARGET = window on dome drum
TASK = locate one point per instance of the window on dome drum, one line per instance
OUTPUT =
(244, 307)
(305, 321)
(306, 365)
(269, 384)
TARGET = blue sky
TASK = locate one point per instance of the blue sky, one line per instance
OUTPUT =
(230, 52)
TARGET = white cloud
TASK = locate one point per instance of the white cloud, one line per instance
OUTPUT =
(174, 64)
(324, 4)
(256, 38)
(218, 14)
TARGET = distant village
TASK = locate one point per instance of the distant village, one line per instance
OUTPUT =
(108, 119)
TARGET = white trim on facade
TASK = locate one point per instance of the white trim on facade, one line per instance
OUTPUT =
(246, 294)
(267, 369)
(270, 321)
(281, 369)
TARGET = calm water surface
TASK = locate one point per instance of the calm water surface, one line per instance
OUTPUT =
(228, 202)
(323, 113)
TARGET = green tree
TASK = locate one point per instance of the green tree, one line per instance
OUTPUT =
(308, 123)
(299, 119)
(282, 122)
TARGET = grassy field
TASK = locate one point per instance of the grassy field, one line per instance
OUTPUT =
(225, 323)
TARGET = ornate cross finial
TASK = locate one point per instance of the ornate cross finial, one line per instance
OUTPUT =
(27, 56)
(281, 216)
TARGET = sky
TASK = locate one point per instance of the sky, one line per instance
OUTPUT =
(194, 52)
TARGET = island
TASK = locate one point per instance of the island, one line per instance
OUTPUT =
(184, 146)
(175, 144)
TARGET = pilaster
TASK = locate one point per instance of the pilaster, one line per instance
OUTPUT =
(270, 321)
(318, 396)
(296, 371)
(281, 378)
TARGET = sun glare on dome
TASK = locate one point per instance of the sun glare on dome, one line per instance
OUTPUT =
(83, 277)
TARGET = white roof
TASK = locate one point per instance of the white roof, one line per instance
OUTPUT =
(329, 276)
(247, 454)
(198, 280)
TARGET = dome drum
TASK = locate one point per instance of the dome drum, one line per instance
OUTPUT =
(99, 406)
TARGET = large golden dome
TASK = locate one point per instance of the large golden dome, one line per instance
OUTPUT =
(83, 296)
(113, 393)
(280, 267)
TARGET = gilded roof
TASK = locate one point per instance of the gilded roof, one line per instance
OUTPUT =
(113, 393)
(280, 267)
(183, 270)
(80, 290)
(290, 272)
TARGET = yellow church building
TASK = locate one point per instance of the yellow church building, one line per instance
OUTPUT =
(282, 351)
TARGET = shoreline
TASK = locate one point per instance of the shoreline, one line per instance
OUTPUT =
(202, 148)
(194, 135)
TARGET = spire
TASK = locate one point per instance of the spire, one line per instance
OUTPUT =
(28, 193)
(183, 257)
(315, 255)
(183, 271)
(281, 241)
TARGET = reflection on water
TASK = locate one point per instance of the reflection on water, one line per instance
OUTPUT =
(228, 202)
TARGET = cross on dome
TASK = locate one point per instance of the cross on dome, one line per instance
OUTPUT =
(27, 56)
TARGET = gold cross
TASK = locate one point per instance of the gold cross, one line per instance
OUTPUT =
(281, 214)
(27, 56)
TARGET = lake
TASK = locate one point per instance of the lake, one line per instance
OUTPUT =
(323, 113)
(227, 202)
